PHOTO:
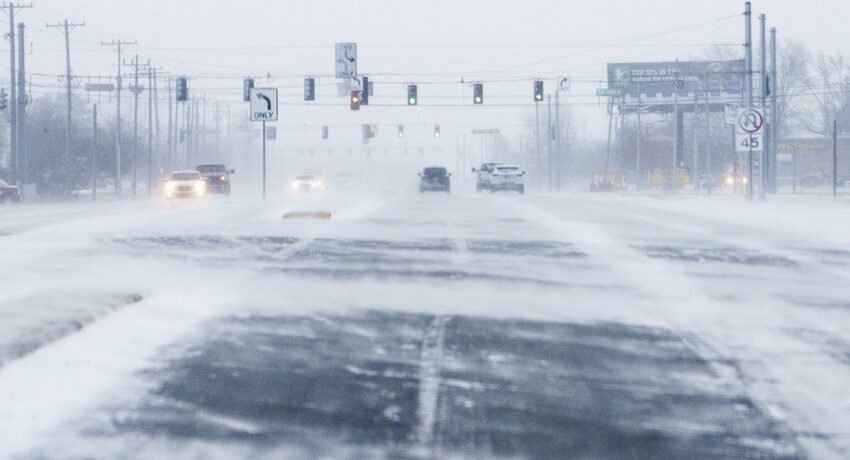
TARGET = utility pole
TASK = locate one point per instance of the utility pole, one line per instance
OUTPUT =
(697, 179)
(93, 157)
(23, 147)
(13, 95)
(158, 140)
(708, 149)
(549, 168)
(774, 112)
(66, 27)
(150, 129)
(674, 178)
(217, 129)
(119, 44)
(834, 157)
(748, 51)
(558, 145)
(748, 55)
(171, 129)
(638, 174)
(764, 167)
(135, 65)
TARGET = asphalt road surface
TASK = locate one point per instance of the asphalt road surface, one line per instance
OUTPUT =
(426, 326)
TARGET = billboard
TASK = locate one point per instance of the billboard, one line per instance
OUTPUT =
(656, 83)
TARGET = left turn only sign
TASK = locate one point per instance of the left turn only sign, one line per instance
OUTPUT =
(264, 104)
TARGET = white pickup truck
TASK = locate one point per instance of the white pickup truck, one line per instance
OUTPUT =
(482, 178)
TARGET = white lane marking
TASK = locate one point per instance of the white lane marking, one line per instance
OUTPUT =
(429, 381)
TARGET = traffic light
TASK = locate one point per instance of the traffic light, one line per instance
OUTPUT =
(364, 95)
(400, 130)
(437, 131)
(182, 89)
(412, 95)
(324, 132)
(538, 91)
(478, 93)
(309, 89)
(4, 102)
(355, 100)
(247, 86)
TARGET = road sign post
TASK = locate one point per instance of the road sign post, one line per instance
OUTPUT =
(264, 105)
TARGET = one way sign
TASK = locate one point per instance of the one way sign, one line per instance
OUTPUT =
(264, 104)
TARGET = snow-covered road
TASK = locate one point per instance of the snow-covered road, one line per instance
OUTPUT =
(427, 326)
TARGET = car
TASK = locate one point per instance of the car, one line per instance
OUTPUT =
(307, 183)
(185, 184)
(9, 193)
(482, 178)
(435, 179)
(507, 178)
(217, 177)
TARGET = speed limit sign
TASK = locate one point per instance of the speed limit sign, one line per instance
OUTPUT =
(749, 142)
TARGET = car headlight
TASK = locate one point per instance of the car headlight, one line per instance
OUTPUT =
(169, 187)
(745, 180)
(730, 181)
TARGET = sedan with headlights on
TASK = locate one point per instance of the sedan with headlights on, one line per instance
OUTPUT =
(307, 183)
(185, 184)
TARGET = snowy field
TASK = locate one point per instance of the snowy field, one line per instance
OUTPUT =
(427, 326)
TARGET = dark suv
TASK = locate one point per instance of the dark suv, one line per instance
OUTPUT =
(217, 177)
(9, 193)
(435, 179)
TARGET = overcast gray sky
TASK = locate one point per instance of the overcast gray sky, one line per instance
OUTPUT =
(217, 42)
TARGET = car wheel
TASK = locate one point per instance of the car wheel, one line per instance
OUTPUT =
(492, 190)
(522, 190)
(478, 188)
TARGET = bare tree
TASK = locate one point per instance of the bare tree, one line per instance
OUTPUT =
(826, 95)
(792, 67)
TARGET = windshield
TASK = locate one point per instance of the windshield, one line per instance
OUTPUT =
(507, 170)
(305, 178)
(211, 169)
(185, 176)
